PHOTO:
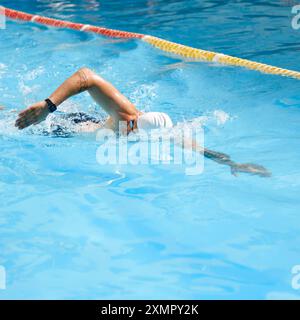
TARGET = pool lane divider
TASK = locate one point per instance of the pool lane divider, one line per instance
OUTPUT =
(164, 45)
(19, 15)
(205, 55)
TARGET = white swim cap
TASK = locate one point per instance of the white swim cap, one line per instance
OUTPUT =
(154, 120)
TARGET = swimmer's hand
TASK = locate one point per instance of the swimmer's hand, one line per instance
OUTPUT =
(250, 168)
(35, 114)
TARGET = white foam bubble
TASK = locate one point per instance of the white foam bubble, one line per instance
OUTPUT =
(33, 74)
(221, 116)
(2, 69)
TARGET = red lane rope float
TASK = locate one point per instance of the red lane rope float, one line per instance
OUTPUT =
(19, 15)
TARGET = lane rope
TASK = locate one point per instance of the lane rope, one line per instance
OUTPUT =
(199, 54)
(19, 15)
(164, 45)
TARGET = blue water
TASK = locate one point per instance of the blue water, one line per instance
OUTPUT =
(71, 228)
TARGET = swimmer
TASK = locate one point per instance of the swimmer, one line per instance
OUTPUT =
(118, 108)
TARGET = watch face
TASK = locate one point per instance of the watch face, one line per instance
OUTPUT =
(51, 105)
(52, 108)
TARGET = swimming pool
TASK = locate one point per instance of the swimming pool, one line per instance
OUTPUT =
(70, 228)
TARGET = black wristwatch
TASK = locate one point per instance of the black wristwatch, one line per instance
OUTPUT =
(51, 106)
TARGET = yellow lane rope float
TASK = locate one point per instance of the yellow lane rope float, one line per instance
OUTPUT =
(199, 54)
(164, 45)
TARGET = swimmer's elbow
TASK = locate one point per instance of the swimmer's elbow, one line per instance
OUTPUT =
(87, 77)
(87, 71)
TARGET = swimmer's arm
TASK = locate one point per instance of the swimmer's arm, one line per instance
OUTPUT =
(225, 159)
(38, 112)
(84, 79)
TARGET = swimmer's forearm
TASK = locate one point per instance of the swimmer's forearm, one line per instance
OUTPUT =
(80, 81)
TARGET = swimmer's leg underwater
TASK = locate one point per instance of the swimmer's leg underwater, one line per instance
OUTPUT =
(223, 159)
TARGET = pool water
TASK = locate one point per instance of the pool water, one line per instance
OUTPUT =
(71, 228)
